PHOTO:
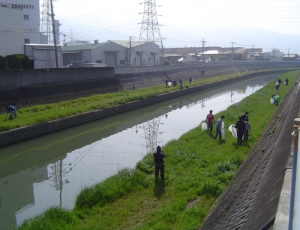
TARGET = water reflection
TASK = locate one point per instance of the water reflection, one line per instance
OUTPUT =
(51, 170)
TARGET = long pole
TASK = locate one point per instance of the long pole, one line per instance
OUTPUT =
(203, 42)
(54, 37)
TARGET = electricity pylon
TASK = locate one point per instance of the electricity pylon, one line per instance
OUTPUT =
(46, 22)
(149, 26)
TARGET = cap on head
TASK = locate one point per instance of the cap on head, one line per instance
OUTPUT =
(158, 148)
(210, 111)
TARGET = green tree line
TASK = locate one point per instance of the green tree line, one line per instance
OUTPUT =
(14, 61)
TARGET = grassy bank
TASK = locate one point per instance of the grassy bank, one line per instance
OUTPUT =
(197, 168)
(47, 112)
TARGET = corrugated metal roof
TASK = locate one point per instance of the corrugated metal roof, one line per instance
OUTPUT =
(81, 47)
(125, 43)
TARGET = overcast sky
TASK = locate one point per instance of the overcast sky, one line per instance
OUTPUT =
(117, 19)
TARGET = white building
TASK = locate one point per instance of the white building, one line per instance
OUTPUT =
(42, 56)
(112, 53)
(11, 34)
(31, 19)
(19, 25)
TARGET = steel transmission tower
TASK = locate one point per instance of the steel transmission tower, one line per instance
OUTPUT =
(151, 132)
(46, 24)
(149, 26)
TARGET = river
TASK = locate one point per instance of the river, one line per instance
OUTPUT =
(51, 170)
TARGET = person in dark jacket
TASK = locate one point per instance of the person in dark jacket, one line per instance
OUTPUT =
(240, 126)
(286, 82)
(245, 116)
(12, 110)
(159, 163)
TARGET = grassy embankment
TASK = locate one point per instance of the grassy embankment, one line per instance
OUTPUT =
(47, 112)
(197, 169)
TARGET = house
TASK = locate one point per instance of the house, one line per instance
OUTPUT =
(290, 57)
(189, 58)
(140, 53)
(172, 58)
(237, 55)
(42, 56)
(112, 53)
(212, 56)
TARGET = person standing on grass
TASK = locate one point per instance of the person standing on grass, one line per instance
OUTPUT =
(286, 82)
(276, 88)
(240, 126)
(159, 163)
(209, 120)
(247, 129)
(219, 127)
(245, 116)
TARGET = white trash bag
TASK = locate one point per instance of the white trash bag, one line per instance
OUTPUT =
(272, 101)
(232, 130)
(223, 130)
(204, 126)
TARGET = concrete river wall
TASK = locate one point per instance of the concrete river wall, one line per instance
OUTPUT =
(29, 132)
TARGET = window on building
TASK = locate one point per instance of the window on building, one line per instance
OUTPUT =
(32, 6)
(122, 61)
(98, 61)
(26, 17)
(29, 6)
(27, 41)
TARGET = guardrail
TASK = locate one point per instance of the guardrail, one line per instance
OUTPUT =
(294, 215)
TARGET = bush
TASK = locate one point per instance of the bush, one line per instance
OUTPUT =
(18, 61)
(3, 63)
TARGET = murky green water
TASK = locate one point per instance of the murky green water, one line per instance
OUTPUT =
(51, 170)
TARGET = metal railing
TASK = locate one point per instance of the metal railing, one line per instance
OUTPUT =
(294, 215)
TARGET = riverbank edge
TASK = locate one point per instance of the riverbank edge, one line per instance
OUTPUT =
(30, 132)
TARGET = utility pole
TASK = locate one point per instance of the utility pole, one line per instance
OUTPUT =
(203, 43)
(232, 50)
(54, 37)
(129, 55)
(162, 50)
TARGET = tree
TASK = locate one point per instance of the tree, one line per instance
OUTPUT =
(3, 63)
(18, 61)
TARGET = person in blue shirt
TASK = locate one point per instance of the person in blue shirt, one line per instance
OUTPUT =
(219, 127)
(12, 109)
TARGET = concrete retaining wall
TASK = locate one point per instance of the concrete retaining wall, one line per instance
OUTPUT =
(11, 79)
(236, 66)
(25, 133)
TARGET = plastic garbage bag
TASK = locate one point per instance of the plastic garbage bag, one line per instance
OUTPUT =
(223, 130)
(272, 101)
(204, 126)
(233, 131)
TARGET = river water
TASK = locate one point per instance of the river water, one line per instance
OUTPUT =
(51, 170)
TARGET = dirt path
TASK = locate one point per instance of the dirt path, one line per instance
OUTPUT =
(251, 199)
